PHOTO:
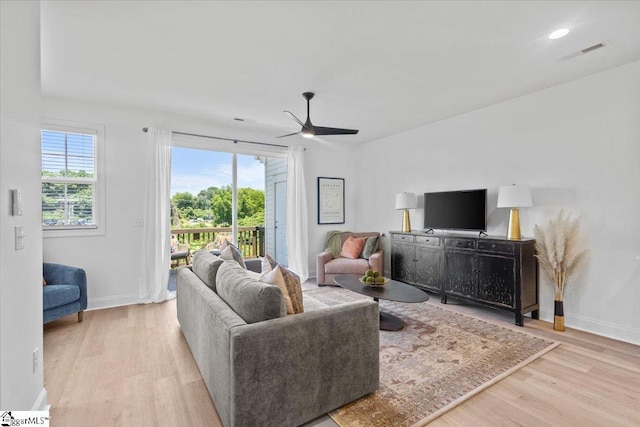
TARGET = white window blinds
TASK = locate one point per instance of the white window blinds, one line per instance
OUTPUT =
(68, 180)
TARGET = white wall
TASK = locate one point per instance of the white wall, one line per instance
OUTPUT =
(577, 145)
(112, 261)
(20, 271)
(325, 158)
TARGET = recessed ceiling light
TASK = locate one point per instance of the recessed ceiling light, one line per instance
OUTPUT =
(559, 33)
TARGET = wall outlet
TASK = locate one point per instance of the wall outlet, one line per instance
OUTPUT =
(35, 359)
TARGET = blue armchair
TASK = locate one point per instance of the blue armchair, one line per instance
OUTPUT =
(65, 292)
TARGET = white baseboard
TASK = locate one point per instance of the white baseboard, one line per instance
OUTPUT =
(598, 327)
(112, 301)
(41, 403)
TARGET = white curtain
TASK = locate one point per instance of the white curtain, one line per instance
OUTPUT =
(156, 246)
(297, 230)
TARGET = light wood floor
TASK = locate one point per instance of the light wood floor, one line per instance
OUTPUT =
(131, 366)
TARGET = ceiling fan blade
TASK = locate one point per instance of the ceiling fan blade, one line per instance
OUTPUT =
(309, 130)
(319, 130)
(289, 134)
(294, 117)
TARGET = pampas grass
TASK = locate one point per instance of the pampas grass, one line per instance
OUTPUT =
(561, 250)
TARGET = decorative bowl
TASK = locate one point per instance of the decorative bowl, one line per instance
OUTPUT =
(375, 285)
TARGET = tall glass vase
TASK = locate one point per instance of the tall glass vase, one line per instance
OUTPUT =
(558, 315)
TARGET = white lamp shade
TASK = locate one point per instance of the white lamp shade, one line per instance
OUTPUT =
(514, 196)
(406, 201)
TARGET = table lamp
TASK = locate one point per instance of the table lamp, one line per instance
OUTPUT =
(514, 197)
(406, 201)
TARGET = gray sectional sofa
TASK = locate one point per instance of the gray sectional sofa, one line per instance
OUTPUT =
(262, 367)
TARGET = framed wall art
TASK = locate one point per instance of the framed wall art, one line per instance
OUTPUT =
(330, 200)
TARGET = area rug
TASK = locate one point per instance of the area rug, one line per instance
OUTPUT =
(438, 360)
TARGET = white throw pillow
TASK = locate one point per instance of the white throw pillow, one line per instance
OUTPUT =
(275, 277)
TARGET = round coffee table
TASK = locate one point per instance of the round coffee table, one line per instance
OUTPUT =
(392, 291)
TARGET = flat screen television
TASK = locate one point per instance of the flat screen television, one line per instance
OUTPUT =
(456, 210)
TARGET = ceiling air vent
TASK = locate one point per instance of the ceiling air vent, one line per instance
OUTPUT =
(585, 50)
(592, 48)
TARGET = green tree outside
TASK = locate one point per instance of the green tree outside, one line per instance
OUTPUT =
(212, 207)
(67, 203)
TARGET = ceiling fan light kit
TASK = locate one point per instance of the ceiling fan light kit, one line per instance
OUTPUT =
(309, 130)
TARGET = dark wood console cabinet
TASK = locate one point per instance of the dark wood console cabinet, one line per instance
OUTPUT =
(485, 270)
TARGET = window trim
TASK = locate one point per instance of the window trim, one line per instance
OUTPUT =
(98, 130)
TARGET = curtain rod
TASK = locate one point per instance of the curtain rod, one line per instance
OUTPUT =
(235, 141)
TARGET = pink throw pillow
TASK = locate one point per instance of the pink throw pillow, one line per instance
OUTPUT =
(352, 247)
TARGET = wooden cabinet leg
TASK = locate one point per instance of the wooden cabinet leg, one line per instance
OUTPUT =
(535, 314)
(519, 321)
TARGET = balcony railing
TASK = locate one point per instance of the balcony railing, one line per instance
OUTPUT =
(250, 239)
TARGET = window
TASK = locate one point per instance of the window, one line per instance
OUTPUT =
(70, 181)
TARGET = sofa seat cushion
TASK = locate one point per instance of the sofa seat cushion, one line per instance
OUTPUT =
(205, 265)
(56, 295)
(250, 299)
(346, 266)
(312, 304)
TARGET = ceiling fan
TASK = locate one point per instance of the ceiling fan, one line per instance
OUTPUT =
(309, 130)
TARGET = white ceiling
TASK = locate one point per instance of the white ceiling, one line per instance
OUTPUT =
(379, 66)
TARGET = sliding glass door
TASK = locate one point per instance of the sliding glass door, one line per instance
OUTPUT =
(218, 196)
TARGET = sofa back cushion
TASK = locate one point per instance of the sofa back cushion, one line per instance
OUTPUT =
(250, 299)
(205, 265)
